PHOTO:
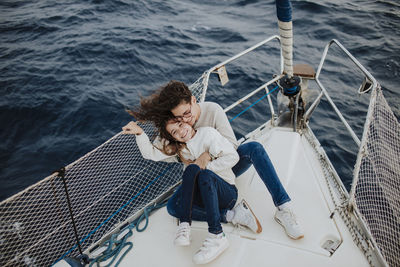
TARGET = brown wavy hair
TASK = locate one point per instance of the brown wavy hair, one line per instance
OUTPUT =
(157, 107)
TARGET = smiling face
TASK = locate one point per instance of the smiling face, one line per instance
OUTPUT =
(187, 112)
(180, 131)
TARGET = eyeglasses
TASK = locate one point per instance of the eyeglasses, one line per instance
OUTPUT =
(186, 114)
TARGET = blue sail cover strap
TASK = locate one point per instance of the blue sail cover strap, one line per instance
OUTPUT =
(284, 10)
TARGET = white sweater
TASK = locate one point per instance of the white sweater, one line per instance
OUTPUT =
(205, 139)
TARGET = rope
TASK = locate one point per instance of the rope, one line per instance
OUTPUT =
(261, 98)
(115, 245)
(291, 91)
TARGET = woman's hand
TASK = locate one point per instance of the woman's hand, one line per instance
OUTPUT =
(203, 160)
(132, 128)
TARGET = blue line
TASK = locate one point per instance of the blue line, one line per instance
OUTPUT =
(115, 213)
(243, 111)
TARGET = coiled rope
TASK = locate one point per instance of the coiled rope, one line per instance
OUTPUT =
(117, 243)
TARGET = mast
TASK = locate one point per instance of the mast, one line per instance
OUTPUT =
(289, 84)
(284, 13)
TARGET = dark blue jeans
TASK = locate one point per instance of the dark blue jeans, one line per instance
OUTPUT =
(203, 196)
(254, 153)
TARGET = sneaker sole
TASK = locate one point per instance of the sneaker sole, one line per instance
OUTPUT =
(292, 237)
(183, 244)
(259, 227)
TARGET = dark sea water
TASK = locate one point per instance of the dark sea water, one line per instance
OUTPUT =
(68, 69)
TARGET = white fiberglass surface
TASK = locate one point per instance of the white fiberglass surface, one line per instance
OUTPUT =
(295, 165)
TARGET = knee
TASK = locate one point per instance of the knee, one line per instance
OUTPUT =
(250, 147)
(192, 168)
(204, 177)
(256, 145)
(190, 172)
(256, 148)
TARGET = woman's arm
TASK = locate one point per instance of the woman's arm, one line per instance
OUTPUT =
(147, 149)
(223, 151)
(203, 160)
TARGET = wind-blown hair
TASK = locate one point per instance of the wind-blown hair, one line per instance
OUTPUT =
(157, 107)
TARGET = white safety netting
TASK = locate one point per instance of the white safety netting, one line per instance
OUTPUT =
(106, 187)
(376, 188)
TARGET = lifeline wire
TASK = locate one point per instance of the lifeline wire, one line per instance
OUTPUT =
(261, 98)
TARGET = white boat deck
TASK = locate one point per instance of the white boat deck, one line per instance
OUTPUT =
(303, 179)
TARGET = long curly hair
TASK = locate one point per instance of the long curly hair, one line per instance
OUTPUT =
(157, 107)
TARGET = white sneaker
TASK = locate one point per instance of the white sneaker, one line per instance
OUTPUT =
(288, 220)
(182, 237)
(245, 216)
(212, 247)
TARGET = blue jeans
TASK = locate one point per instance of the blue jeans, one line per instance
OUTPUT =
(203, 196)
(254, 153)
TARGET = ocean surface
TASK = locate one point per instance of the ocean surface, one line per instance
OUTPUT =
(68, 68)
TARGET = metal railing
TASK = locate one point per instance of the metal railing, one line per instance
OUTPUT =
(368, 79)
(324, 92)
(264, 86)
(369, 84)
